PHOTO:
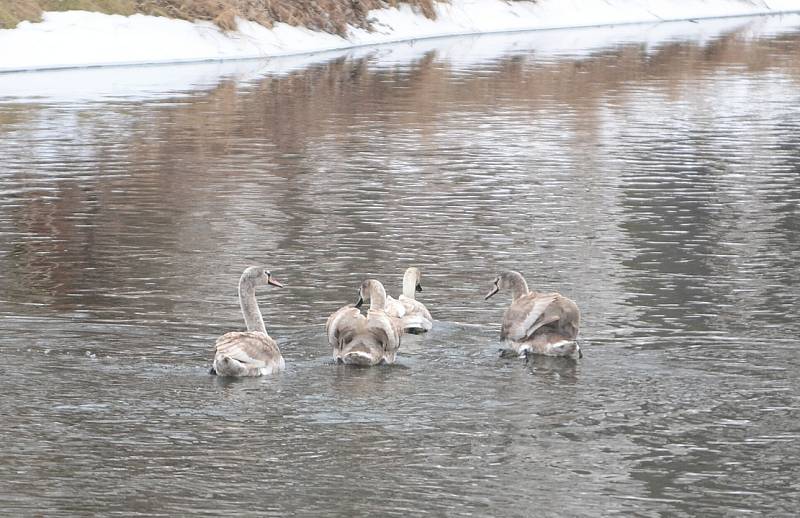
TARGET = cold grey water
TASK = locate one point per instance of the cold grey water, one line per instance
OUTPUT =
(655, 181)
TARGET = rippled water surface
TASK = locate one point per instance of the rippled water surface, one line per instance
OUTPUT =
(656, 183)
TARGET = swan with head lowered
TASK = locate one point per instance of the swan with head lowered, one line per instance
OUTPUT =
(413, 315)
(252, 352)
(364, 340)
(537, 323)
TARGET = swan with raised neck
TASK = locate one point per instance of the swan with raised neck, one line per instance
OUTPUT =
(364, 340)
(413, 315)
(253, 352)
(537, 323)
(251, 278)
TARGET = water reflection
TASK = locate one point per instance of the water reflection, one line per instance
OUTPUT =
(654, 183)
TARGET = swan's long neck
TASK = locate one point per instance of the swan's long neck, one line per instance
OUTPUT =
(377, 296)
(518, 286)
(409, 284)
(250, 311)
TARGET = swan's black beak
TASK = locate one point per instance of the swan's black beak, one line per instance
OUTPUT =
(418, 288)
(491, 293)
(360, 301)
(272, 280)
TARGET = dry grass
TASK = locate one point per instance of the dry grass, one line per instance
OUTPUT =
(14, 11)
(323, 15)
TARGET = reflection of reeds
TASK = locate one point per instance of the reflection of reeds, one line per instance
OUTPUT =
(324, 15)
(289, 126)
(329, 98)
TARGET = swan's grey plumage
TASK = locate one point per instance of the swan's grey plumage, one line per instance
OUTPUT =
(413, 315)
(252, 352)
(364, 340)
(540, 323)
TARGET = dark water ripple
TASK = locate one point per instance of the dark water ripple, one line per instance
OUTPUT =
(658, 187)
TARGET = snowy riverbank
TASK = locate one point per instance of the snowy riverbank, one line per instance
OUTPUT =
(81, 39)
(139, 83)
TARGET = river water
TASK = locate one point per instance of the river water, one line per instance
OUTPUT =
(653, 178)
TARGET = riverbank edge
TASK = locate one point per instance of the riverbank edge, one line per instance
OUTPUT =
(253, 41)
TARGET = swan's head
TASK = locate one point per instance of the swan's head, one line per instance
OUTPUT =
(509, 280)
(411, 280)
(258, 275)
(372, 291)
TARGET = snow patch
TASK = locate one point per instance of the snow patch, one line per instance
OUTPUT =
(84, 39)
(102, 84)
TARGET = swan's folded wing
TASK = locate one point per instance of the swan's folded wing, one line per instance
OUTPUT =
(526, 315)
(395, 308)
(344, 321)
(415, 307)
(385, 328)
(251, 348)
(417, 321)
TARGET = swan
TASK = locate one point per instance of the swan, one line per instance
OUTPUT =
(360, 340)
(413, 315)
(253, 352)
(538, 323)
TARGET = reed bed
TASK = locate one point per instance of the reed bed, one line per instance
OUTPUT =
(331, 16)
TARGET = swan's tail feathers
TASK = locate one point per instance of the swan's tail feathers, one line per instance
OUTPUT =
(360, 358)
(563, 348)
(416, 324)
(568, 348)
(227, 366)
